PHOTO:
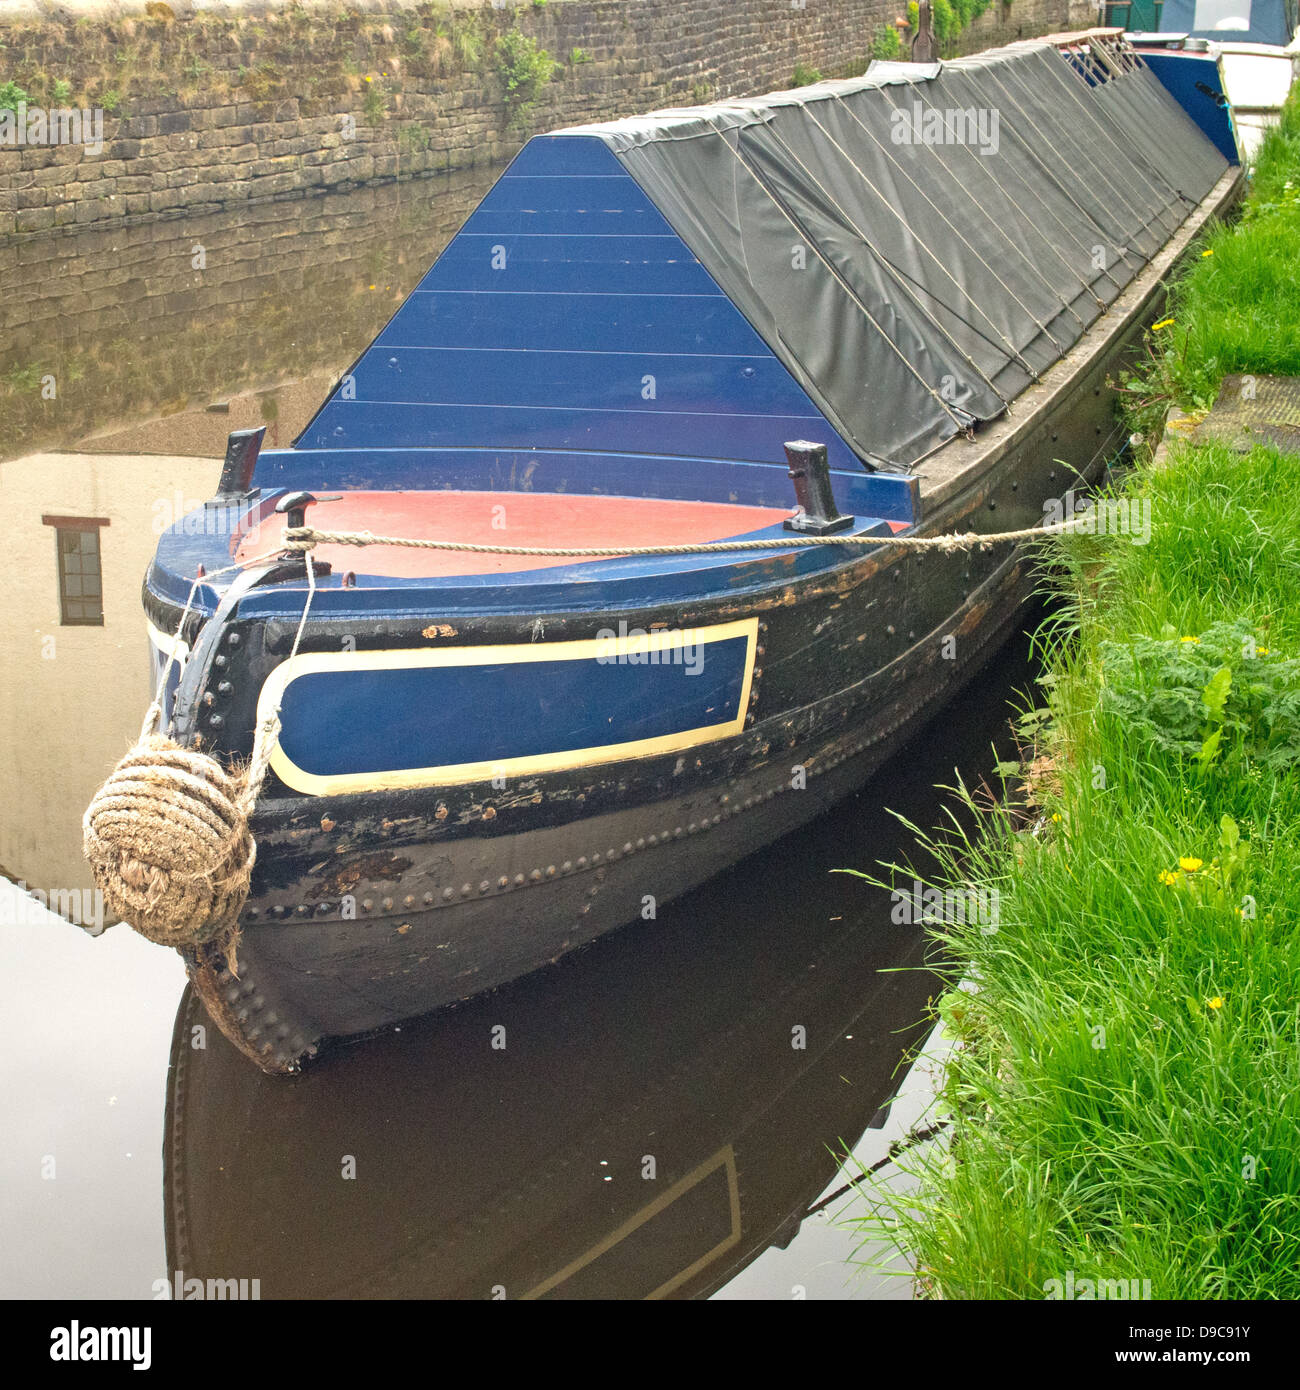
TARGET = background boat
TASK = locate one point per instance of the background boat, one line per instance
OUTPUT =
(1255, 45)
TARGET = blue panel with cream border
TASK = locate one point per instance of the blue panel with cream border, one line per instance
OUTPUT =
(401, 714)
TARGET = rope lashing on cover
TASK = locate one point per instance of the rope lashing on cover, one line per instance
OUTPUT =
(167, 835)
(837, 275)
(963, 185)
(307, 538)
(1008, 349)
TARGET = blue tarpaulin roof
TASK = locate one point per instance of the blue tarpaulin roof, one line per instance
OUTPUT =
(1232, 21)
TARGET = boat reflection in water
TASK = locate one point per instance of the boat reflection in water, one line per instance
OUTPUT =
(641, 1120)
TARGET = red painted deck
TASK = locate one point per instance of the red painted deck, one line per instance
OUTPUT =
(510, 518)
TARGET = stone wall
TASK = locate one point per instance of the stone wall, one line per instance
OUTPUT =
(206, 109)
(1005, 21)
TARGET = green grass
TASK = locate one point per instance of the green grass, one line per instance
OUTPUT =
(1125, 1095)
(10, 96)
(886, 43)
(524, 69)
(1238, 306)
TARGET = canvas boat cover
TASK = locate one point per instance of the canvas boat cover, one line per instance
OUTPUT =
(880, 263)
(1233, 21)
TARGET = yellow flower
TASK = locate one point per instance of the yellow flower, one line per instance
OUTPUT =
(1215, 1003)
(1189, 865)
(1206, 253)
(1168, 878)
(1197, 640)
(1261, 651)
(1164, 323)
(1056, 816)
(370, 79)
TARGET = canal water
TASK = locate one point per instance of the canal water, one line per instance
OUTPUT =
(655, 1116)
(163, 336)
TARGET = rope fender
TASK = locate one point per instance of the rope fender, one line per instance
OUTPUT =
(168, 841)
(167, 836)
(169, 844)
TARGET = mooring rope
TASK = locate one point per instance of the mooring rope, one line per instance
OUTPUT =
(306, 538)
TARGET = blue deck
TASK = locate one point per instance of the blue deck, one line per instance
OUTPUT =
(566, 341)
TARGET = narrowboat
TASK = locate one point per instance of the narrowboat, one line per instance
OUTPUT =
(866, 310)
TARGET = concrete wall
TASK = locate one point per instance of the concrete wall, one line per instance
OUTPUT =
(208, 108)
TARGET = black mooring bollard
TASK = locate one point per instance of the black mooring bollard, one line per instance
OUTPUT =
(242, 449)
(293, 507)
(811, 472)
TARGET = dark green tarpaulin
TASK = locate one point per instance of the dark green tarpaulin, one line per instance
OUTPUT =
(916, 245)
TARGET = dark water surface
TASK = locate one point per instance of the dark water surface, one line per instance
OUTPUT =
(660, 1110)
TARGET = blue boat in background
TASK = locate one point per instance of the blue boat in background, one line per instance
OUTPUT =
(1192, 71)
(1240, 56)
(886, 307)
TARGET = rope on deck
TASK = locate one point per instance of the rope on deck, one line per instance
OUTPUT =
(308, 537)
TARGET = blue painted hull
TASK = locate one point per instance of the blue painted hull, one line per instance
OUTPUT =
(454, 896)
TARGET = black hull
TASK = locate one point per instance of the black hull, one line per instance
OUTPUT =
(306, 979)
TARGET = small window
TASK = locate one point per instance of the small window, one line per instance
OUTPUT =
(81, 582)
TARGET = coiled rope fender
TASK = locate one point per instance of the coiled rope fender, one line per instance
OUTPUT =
(167, 835)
